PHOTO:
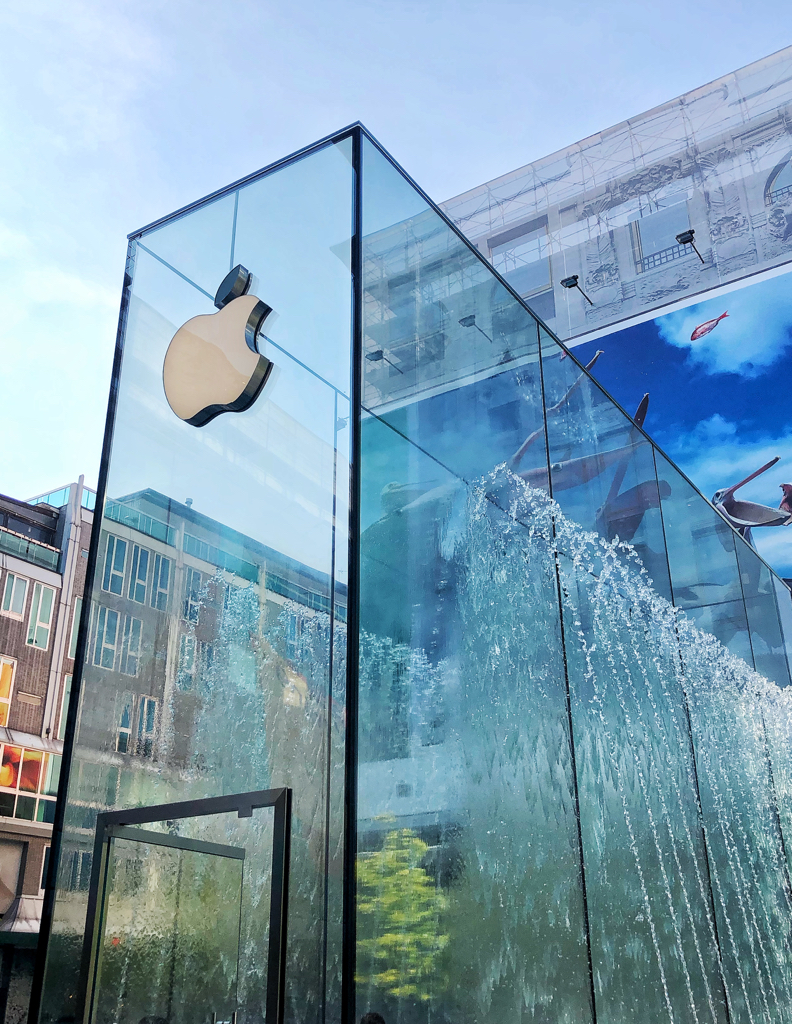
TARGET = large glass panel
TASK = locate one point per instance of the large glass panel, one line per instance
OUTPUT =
(219, 678)
(170, 945)
(184, 925)
(602, 469)
(468, 872)
(747, 869)
(705, 579)
(648, 898)
(761, 609)
(749, 873)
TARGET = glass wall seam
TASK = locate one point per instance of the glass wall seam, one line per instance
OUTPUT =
(697, 790)
(247, 180)
(568, 694)
(349, 952)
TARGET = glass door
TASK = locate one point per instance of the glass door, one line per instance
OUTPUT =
(169, 948)
(187, 915)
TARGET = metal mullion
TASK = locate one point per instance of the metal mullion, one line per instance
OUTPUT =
(349, 935)
(694, 760)
(276, 961)
(568, 694)
(139, 835)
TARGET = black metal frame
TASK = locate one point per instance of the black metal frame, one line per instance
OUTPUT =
(120, 824)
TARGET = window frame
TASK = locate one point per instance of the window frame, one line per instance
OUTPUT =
(39, 590)
(75, 628)
(158, 597)
(136, 581)
(60, 732)
(505, 259)
(146, 736)
(18, 616)
(185, 669)
(6, 701)
(110, 572)
(100, 628)
(191, 603)
(129, 657)
(128, 708)
(45, 859)
(40, 795)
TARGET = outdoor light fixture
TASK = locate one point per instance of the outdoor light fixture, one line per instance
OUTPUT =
(378, 355)
(686, 238)
(470, 321)
(572, 282)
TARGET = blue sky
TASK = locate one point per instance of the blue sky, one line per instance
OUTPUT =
(720, 407)
(115, 113)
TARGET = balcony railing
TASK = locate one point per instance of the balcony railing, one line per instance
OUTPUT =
(223, 559)
(779, 193)
(139, 521)
(659, 259)
(29, 550)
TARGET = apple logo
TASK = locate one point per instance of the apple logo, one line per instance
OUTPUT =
(213, 364)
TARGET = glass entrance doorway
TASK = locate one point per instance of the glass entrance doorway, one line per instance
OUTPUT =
(187, 916)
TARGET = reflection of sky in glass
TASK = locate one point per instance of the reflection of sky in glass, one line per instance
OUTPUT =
(267, 472)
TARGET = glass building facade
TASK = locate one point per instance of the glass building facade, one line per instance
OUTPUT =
(424, 684)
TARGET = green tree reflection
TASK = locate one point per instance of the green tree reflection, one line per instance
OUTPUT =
(399, 919)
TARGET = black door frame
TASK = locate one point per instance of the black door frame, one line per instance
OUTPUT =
(111, 824)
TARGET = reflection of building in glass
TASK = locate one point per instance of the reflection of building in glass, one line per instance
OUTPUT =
(43, 548)
(609, 208)
(526, 690)
(173, 584)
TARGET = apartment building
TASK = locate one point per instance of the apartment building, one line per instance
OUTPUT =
(43, 557)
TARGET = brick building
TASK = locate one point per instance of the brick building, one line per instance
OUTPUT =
(43, 557)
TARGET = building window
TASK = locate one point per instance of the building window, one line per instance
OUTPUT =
(6, 688)
(138, 577)
(14, 595)
(130, 646)
(293, 634)
(192, 594)
(124, 733)
(44, 869)
(64, 708)
(11, 858)
(779, 185)
(106, 639)
(41, 608)
(78, 871)
(28, 783)
(160, 582)
(186, 672)
(115, 562)
(522, 256)
(147, 721)
(654, 236)
(75, 627)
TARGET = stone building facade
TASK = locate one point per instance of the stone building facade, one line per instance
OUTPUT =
(608, 209)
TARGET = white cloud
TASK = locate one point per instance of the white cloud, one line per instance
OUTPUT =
(755, 334)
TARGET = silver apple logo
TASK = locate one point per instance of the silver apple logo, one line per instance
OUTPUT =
(213, 364)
